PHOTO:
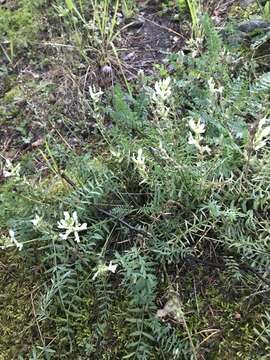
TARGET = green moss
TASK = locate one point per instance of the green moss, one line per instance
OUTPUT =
(19, 23)
(243, 13)
(15, 93)
(115, 332)
(17, 329)
(230, 317)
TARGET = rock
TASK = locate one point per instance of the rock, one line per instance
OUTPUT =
(246, 3)
(253, 25)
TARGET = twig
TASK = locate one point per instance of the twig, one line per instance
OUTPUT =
(3, 265)
(58, 45)
(163, 27)
(123, 222)
(36, 321)
(107, 213)
(5, 53)
(68, 180)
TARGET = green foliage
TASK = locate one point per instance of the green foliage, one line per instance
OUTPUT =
(19, 25)
(263, 333)
(194, 8)
(128, 7)
(92, 27)
(262, 84)
(179, 186)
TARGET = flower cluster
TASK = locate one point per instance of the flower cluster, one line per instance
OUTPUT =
(71, 226)
(162, 90)
(213, 89)
(196, 138)
(11, 241)
(161, 96)
(36, 221)
(11, 170)
(262, 134)
(103, 269)
(139, 162)
(95, 94)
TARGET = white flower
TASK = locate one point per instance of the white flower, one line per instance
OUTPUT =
(161, 97)
(196, 142)
(95, 94)
(71, 225)
(193, 141)
(10, 170)
(140, 163)
(117, 155)
(205, 149)
(198, 128)
(36, 221)
(176, 353)
(112, 268)
(140, 159)
(103, 269)
(262, 134)
(14, 241)
(212, 87)
(162, 90)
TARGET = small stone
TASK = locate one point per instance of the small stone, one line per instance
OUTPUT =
(237, 316)
(12, 268)
(246, 3)
(250, 26)
(129, 56)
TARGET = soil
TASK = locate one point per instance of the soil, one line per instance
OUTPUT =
(146, 41)
(150, 38)
(154, 34)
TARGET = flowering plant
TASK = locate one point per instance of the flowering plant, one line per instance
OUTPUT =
(103, 269)
(11, 170)
(197, 129)
(11, 241)
(71, 225)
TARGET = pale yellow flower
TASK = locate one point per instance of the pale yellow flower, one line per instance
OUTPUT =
(71, 225)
